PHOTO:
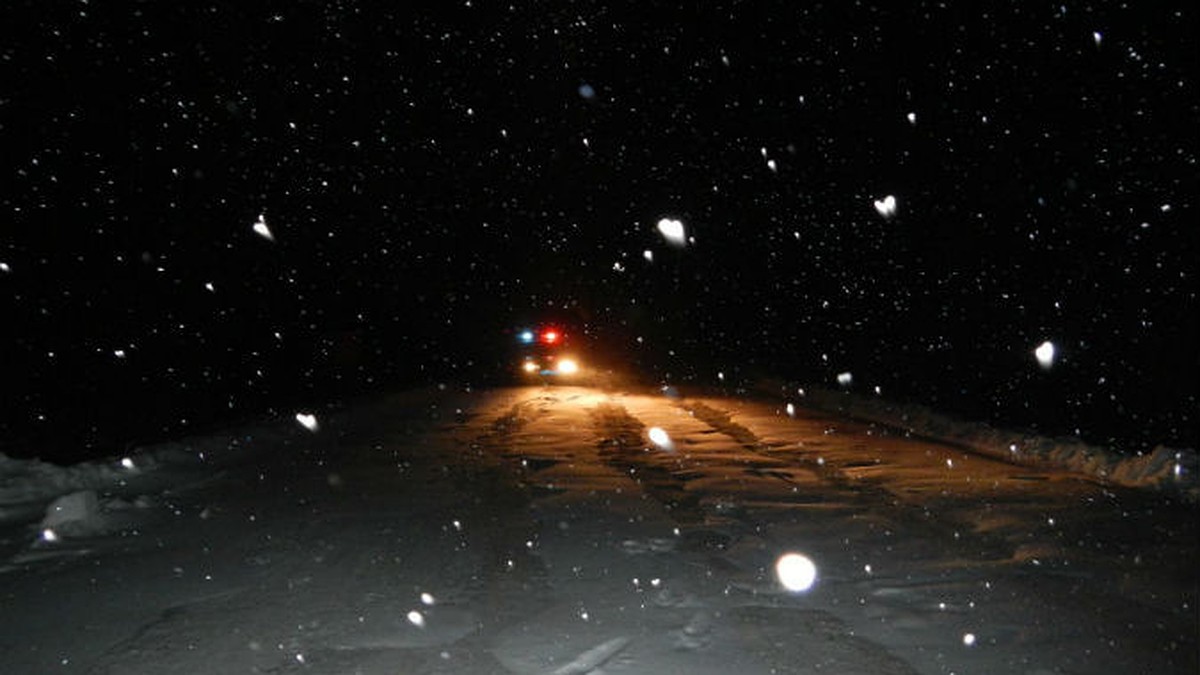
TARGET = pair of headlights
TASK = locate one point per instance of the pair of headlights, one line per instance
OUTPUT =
(565, 366)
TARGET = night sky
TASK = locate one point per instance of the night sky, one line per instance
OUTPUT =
(432, 179)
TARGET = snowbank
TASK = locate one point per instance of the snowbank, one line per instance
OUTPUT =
(28, 487)
(27, 484)
(30, 480)
(1171, 470)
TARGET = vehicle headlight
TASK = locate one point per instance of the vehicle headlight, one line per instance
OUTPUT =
(530, 367)
(568, 366)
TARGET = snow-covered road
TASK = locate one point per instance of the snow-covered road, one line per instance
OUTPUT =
(564, 530)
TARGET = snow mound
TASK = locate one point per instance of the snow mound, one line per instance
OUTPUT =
(75, 511)
(25, 482)
(1171, 470)
(29, 480)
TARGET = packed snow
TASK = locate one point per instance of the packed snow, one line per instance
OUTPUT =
(1173, 470)
(539, 530)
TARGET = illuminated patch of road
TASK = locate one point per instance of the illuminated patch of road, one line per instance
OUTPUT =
(623, 444)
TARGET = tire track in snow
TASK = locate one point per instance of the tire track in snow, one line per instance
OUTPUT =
(512, 583)
(502, 445)
(868, 496)
(622, 446)
(723, 422)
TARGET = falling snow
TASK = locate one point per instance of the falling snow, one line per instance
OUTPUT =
(308, 421)
(261, 229)
(659, 437)
(796, 572)
(1045, 353)
(926, 223)
(886, 207)
(672, 231)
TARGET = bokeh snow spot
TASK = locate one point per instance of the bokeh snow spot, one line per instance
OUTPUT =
(1045, 354)
(260, 228)
(416, 618)
(845, 379)
(672, 231)
(796, 572)
(660, 438)
(308, 421)
(886, 206)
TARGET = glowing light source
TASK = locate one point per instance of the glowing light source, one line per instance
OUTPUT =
(550, 337)
(530, 367)
(796, 572)
(568, 366)
(525, 336)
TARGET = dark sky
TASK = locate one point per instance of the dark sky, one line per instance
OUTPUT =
(432, 178)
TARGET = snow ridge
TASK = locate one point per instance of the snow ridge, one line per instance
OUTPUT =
(593, 658)
(1171, 470)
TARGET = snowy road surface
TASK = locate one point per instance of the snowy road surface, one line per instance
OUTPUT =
(541, 530)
